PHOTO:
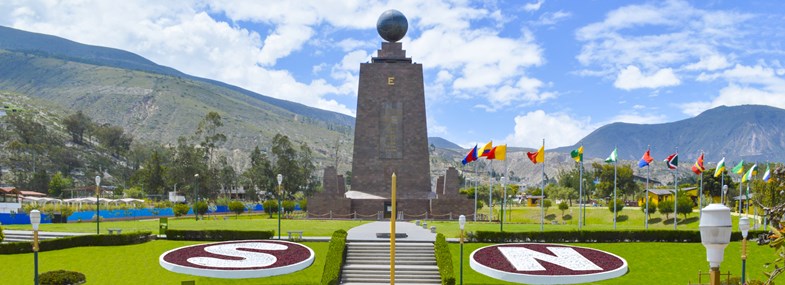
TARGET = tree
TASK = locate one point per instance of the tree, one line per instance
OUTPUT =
(546, 203)
(201, 208)
(207, 130)
(152, 175)
(560, 192)
(652, 208)
(296, 167)
(270, 207)
(186, 162)
(57, 184)
(237, 207)
(180, 210)
(665, 207)
(114, 139)
(40, 181)
(77, 124)
(563, 207)
(684, 206)
(625, 184)
(619, 206)
(259, 175)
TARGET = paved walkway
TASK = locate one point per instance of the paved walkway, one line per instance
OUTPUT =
(367, 232)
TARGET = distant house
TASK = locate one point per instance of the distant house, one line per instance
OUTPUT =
(10, 199)
(659, 195)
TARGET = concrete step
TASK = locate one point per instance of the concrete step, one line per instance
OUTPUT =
(397, 262)
(387, 267)
(397, 271)
(387, 280)
(353, 259)
(383, 283)
(385, 244)
(397, 276)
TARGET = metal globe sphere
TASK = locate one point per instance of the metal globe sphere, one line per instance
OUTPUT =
(392, 25)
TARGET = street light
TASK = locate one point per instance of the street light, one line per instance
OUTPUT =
(196, 195)
(97, 205)
(35, 220)
(744, 227)
(504, 203)
(461, 223)
(715, 228)
(280, 208)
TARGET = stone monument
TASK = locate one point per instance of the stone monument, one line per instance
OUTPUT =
(391, 136)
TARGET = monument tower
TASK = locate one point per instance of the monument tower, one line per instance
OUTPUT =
(390, 136)
(390, 132)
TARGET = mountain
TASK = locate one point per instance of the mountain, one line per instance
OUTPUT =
(749, 132)
(154, 102)
(442, 143)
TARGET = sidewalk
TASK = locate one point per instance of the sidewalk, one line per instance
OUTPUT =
(367, 232)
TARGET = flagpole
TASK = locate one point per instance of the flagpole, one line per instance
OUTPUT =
(675, 198)
(476, 189)
(542, 200)
(648, 175)
(580, 193)
(700, 198)
(741, 178)
(722, 183)
(490, 192)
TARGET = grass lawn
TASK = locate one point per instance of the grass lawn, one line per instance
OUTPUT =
(649, 263)
(527, 219)
(137, 264)
(244, 222)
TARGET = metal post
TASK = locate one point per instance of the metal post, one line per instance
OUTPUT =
(196, 195)
(504, 202)
(648, 175)
(35, 255)
(676, 201)
(392, 232)
(714, 276)
(476, 188)
(614, 191)
(542, 200)
(279, 177)
(490, 192)
(97, 207)
(461, 278)
(743, 260)
(580, 195)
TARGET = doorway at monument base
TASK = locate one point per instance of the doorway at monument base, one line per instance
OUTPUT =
(442, 208)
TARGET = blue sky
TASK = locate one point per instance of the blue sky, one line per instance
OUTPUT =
(512, 72)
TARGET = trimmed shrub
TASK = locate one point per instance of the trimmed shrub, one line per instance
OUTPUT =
(237, 207)
(652, 207)
(665, 207)
(444, 260)
(270, 207)
(2, 236)
(180, 210)
(563, 207)
(596, 236)
(334, 262)
(217, 235)
(304, 204)
(619, 205)
(77, 241)
(61, 277)
(288, 206)
(201, 208)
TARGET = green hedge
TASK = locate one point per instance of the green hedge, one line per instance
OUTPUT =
(217, 235)
(444, 260)
(335, 253)
(2, 236)
(61, 277)
(597, 236)
(77, 241)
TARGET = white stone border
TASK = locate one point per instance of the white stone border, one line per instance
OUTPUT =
(546, 279)
(236, 273)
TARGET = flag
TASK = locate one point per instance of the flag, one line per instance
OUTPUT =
(538, 156)
(484, 151)
(673, 161)
(498, 152)
(471, 156)
(748, 176)
(698, 166)
(739, 168)
(767, 174)
(577, 154)
(646, 159)
(720, 168)
(612, 157)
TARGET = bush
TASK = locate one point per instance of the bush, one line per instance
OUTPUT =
(288, 206)
(563, 207)
(304, 205)
(547, 204)
(223, 201)
(77, 241)
(665, 207)
(596, 236)
(61, 277)
(270, 207)
(684, 206)
(652, 207)
(237, 207)
(444, 260)
(180, 210)
(2, 236)
(619, 206)
(201, 208)
(217, 235)
(334, 262)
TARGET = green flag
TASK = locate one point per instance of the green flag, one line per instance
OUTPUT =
(612, 157)
(739, 168)
(577, 154)
(748, 176)
(720, 168)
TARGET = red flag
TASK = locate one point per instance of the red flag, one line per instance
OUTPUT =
(491, 154)
(698, 166)
(471, 156)
(538, 156)
(673, 161)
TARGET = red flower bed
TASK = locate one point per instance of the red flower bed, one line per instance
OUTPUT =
(295, 253)
(493, 258)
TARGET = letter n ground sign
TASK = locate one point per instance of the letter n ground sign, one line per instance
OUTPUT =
(538, 263)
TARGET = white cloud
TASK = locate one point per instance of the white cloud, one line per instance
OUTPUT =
(531, 7)
(632, 78)
(710, 63)
(552, 18)
(634, 118)
(759, 84)
(558, 129)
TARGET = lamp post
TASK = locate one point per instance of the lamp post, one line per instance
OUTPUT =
(744, 227)
(196, 195)
(715, 229)
(97, 205)
(462, 223)
(280, 179)
(35, 220)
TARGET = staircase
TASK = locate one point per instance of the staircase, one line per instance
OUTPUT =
(15, 236)
(368, 263)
